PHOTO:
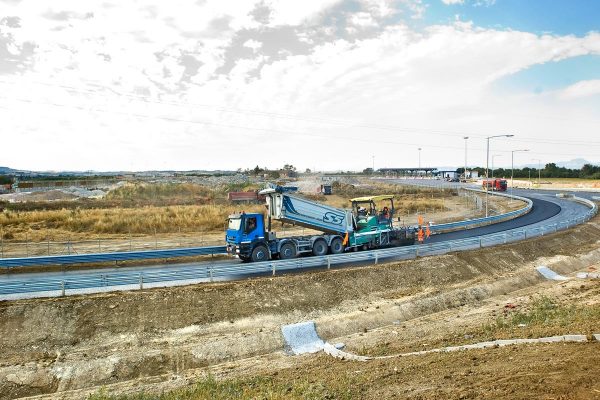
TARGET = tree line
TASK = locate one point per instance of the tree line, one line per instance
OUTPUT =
(550, 170)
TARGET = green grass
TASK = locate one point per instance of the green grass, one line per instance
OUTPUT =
(251, 388)
(548, 315)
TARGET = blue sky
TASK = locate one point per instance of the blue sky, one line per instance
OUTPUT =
(325, 84)
(576, 17)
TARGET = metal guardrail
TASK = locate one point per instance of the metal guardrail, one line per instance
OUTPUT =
(195, 251)
(472, 223)
(85, 283)
(104, 257)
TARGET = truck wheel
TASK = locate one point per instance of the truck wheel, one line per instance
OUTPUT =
(260, 253)
(336, 246)
(287, 251)
(319, 247)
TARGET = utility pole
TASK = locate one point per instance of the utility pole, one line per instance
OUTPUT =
(419, 159)
(465, 171)
(487, 163)
(493, 157)
(512, 170)
(539, 169)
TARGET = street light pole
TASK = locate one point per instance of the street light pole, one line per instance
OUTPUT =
(539, 170)
(487, 164)
(493, 157)
(419, 159)
(512, 171)
(465, 171)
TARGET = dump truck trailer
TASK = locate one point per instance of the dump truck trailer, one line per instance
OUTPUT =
(249, 235)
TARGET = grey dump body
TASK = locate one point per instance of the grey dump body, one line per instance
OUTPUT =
(309, 214)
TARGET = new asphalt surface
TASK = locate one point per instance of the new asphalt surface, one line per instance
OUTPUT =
(547, 210)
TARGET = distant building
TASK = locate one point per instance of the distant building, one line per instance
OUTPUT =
(472, 174)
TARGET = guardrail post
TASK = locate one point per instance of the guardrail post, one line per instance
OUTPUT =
(273, 268)
(376, 257)
(328, 262)
(505, 237)
(416, 252)
(480, 243)
(62, 288)
(210, 273)
(141, 281)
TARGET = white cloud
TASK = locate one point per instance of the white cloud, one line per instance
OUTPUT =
(295, 108)
(581, 89)
(362, 20)
(253, 44)
(294, 12)
(449, 2)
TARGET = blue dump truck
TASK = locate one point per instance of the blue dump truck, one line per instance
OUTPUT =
(367, 225)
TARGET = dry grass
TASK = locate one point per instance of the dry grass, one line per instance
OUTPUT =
(164, 208)
(117, 221)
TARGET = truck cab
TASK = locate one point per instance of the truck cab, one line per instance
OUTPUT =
(244, 233)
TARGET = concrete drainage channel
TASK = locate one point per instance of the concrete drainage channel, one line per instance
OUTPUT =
(303, 338)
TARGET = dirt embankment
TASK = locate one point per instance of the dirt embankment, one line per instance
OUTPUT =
(78, 342)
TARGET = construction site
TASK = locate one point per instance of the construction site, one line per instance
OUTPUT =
(279, 199)
(476, 323)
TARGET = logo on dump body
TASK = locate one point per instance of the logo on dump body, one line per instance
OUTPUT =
(333, 218)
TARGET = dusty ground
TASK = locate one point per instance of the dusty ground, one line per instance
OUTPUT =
(168, 338)
(558, 183)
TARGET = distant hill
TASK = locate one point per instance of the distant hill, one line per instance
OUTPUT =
(11, 171)
(7, 171)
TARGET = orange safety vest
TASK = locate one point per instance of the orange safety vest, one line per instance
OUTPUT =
(427, 232)
(420, 235)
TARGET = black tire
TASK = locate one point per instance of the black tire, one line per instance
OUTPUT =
(260, 253)
(337, 246)
(244, 258)
(287, 251)
(319, 247)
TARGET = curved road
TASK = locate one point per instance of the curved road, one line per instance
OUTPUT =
(541, 210)
(547, 209)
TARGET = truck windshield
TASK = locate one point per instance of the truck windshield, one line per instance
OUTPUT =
(235, 223)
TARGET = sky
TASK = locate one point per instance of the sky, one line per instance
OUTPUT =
(322, 84)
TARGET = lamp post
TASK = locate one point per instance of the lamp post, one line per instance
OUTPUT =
(487, 163)
(512, 170)
(493, 158)
(539, 169)
(419, 159)
(465, 171)
(373, 164)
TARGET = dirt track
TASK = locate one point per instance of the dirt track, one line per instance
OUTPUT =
(114, 339)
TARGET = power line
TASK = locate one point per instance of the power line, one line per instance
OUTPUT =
(444, 133)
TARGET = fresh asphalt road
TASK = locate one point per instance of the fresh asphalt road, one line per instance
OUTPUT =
(547, 209)
(540, 211)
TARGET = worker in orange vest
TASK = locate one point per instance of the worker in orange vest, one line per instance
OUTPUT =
(420, 235)
(427, 232)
